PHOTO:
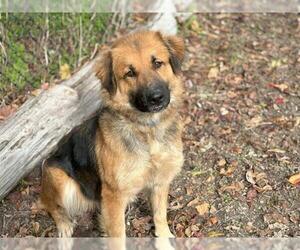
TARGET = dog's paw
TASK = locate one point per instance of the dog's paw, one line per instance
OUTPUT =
(164, 233)
(65, 229)
(163, 244)
(65, 244)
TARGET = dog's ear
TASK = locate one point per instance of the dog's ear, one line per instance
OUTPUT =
(104, 71)
(176, 48)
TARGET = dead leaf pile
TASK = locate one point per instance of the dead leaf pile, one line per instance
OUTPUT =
(6, 111)
(228, 169)
(142, 224)
(258, 180)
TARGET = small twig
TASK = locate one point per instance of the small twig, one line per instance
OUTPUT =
(258, 125)
(2, 36)
(91, 21)
(46, 41)
(94, 51)
(80, 41)
(4, 52)
(124, 3)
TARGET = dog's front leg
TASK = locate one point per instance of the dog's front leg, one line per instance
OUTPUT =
(159, 202)
(113, 205)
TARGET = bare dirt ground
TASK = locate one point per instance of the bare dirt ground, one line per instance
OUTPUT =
(242, 138)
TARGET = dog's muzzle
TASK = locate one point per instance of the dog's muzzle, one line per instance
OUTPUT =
(153, 98)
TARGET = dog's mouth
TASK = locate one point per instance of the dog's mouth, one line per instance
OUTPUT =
(158, 108)
(152, 99)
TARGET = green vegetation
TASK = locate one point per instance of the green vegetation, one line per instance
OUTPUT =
(34, 46)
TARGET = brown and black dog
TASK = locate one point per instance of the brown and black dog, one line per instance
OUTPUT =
(134, 143)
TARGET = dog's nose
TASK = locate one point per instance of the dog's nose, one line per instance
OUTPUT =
(157, 96)
(153, 98)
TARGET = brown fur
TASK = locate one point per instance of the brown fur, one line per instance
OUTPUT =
(134, 150)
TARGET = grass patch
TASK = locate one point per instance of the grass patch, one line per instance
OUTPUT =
(35, 45)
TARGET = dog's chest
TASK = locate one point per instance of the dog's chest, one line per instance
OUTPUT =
(145, 142)
(149, 148)
(144, 153)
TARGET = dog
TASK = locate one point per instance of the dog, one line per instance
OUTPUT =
(134, 143)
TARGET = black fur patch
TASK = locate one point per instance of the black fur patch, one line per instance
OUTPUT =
(173, 59)
(77, 158)
(109, 81)
(175, 63)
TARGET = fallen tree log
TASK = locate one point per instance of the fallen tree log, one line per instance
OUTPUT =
(34, 132)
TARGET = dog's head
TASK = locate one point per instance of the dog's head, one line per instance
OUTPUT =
(139, 73)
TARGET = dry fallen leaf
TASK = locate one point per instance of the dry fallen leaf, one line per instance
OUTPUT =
(25, 191)
(297, 121)
(203, 208)
(224, 111)
(193, 202)
(23, 231)
(276, 150)
(236, 149)
(260, 176)
(212, 209)
(250, 176)
(215, 234)
(36, 92)
(213, 72)
(229, 171)
(210, 179)
(232, 94)
(189, 190)
(36, 227)
(64, 71)
(213, 220)
(251, 195)
(282, 87)
(275, 63)
(222, 162)
(263, 189)
(232, 79)
(295, 179)
(35, 208)
(235, 187)
(188, 232)
(195, 26)
(254, 122)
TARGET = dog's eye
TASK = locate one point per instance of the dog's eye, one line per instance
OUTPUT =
(130, 73)
(157, 64)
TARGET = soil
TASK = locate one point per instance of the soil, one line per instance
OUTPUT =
(241, 138)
